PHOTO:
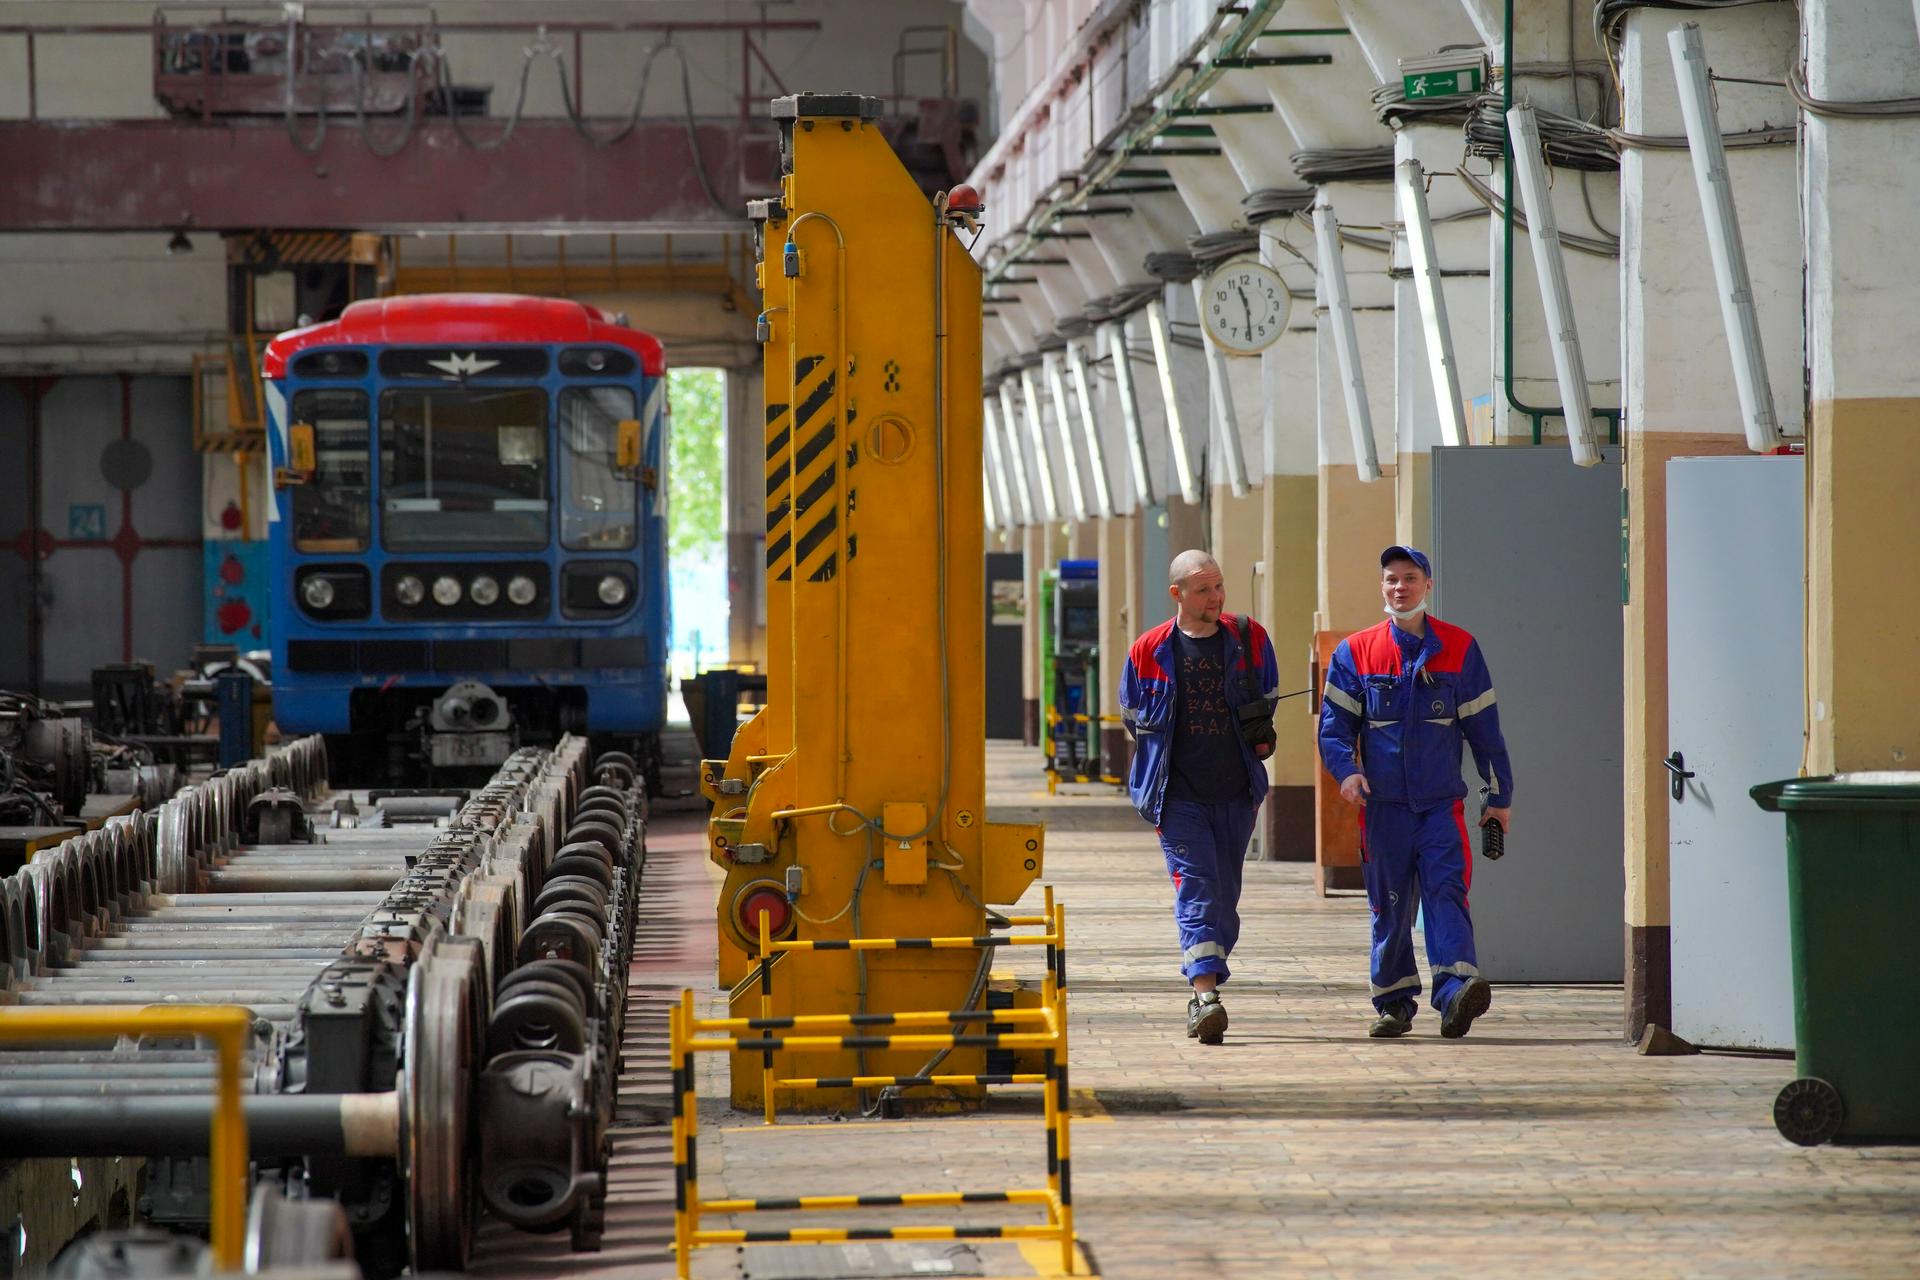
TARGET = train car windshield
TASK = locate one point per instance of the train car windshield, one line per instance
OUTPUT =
(463, 469)
(599, 510)
(330, 512)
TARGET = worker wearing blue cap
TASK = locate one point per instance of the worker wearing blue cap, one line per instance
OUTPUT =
(1399, 700)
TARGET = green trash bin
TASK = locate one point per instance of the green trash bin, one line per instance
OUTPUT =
(1853, 877)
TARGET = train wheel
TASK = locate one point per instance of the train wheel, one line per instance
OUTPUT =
(446, 1043)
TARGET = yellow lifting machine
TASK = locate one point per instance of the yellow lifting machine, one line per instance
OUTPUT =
(853, 805)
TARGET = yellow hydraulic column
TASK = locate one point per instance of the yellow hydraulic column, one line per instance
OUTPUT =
(869, 822)
(768, 736)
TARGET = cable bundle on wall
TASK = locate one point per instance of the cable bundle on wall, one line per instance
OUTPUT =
(1275, 202)
(1570, 143)
(1218, 246)
(1393, 109)
(1321, 165)
(1122, 302)
(1175, 266)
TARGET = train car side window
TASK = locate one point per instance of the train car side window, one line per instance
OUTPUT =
(598, 509)
(331, 513)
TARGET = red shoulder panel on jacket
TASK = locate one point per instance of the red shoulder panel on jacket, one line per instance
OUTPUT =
(1374, 651)
(1145, 665)
(1454, 643)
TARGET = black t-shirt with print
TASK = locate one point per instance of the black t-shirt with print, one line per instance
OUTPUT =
(1207, 766)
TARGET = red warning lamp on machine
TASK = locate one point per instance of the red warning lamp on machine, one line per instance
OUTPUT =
(763, 897)
(964, 206)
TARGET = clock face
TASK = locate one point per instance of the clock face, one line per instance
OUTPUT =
(1245, 306)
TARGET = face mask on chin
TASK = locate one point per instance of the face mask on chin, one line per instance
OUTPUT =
(1406, 615)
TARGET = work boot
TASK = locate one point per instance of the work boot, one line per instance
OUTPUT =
(1393, 1023)
(1207, 1018)
(1473, 999)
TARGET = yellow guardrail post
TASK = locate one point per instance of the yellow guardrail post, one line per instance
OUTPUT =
(229, 1027)
(766, 1011)
(1063, 1102)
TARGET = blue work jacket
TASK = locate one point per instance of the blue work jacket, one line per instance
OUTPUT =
(1147, 705)
(1399, 715)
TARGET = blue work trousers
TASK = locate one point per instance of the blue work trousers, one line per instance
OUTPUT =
(1206, 847)
(1417, 858)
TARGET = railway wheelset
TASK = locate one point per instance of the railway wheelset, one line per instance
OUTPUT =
(436, 983)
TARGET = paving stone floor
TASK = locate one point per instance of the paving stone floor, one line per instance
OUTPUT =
(1541, 1145)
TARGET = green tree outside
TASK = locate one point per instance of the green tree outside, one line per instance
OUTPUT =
(696, 465)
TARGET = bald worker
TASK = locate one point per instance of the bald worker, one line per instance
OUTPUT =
(1197, 696)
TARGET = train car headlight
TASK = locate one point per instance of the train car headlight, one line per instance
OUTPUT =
(409, 591)
(521, 590)
(446, 590)
(612, 591)
(483, 590)
(317, 591)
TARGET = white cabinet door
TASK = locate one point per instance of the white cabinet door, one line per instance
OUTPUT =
(1735, 717)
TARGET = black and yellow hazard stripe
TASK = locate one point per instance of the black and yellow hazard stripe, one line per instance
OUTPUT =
(915, 944)
(779, 495)
(911, 1040)
(842, 1235)
(815, 471)
(912, 1082)
(274, 248)
(830, 1021)
(908, 1199)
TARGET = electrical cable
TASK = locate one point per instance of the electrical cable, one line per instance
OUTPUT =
(357, 60)
(293, 50)
(1219, 246)
(1175, 266)
(1321, 165)
(1569, 143)
(444, 65)
(1490, 198)
(1268, 203)
(1877, 109)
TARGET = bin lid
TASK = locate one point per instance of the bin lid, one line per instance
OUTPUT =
(1875, 789)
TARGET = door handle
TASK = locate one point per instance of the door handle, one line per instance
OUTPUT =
(1676, 764)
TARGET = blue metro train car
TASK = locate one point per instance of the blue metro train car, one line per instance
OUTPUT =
(468, 533)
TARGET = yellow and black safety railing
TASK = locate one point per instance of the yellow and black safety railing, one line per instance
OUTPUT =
(230, 1027)
(1043, 1028)
(1056, 717)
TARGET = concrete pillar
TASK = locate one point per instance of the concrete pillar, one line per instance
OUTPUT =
(1586, 206)
(1356, 516)
(1187, 527)
(1865, 393)
(1461, 247)
(1680, 397)
(1047, 545)
(1289, 539)
(1116, 634)
(1235, 536)
(1387, 31)
(1033, 550)
(744, 442)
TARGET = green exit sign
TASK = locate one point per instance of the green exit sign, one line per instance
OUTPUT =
(1440, 84)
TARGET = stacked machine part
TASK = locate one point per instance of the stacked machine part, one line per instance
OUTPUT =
(853, 805)
(435, 981)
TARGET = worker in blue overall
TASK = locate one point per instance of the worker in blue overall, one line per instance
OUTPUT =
(1197, 696)
(1400, 698)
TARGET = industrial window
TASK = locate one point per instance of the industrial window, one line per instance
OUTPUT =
(598, 510)
(330, 512)
(463, 469)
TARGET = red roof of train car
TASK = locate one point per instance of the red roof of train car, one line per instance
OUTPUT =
(461, 319)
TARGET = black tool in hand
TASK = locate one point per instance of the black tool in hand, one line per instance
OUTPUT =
(1493, 840)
